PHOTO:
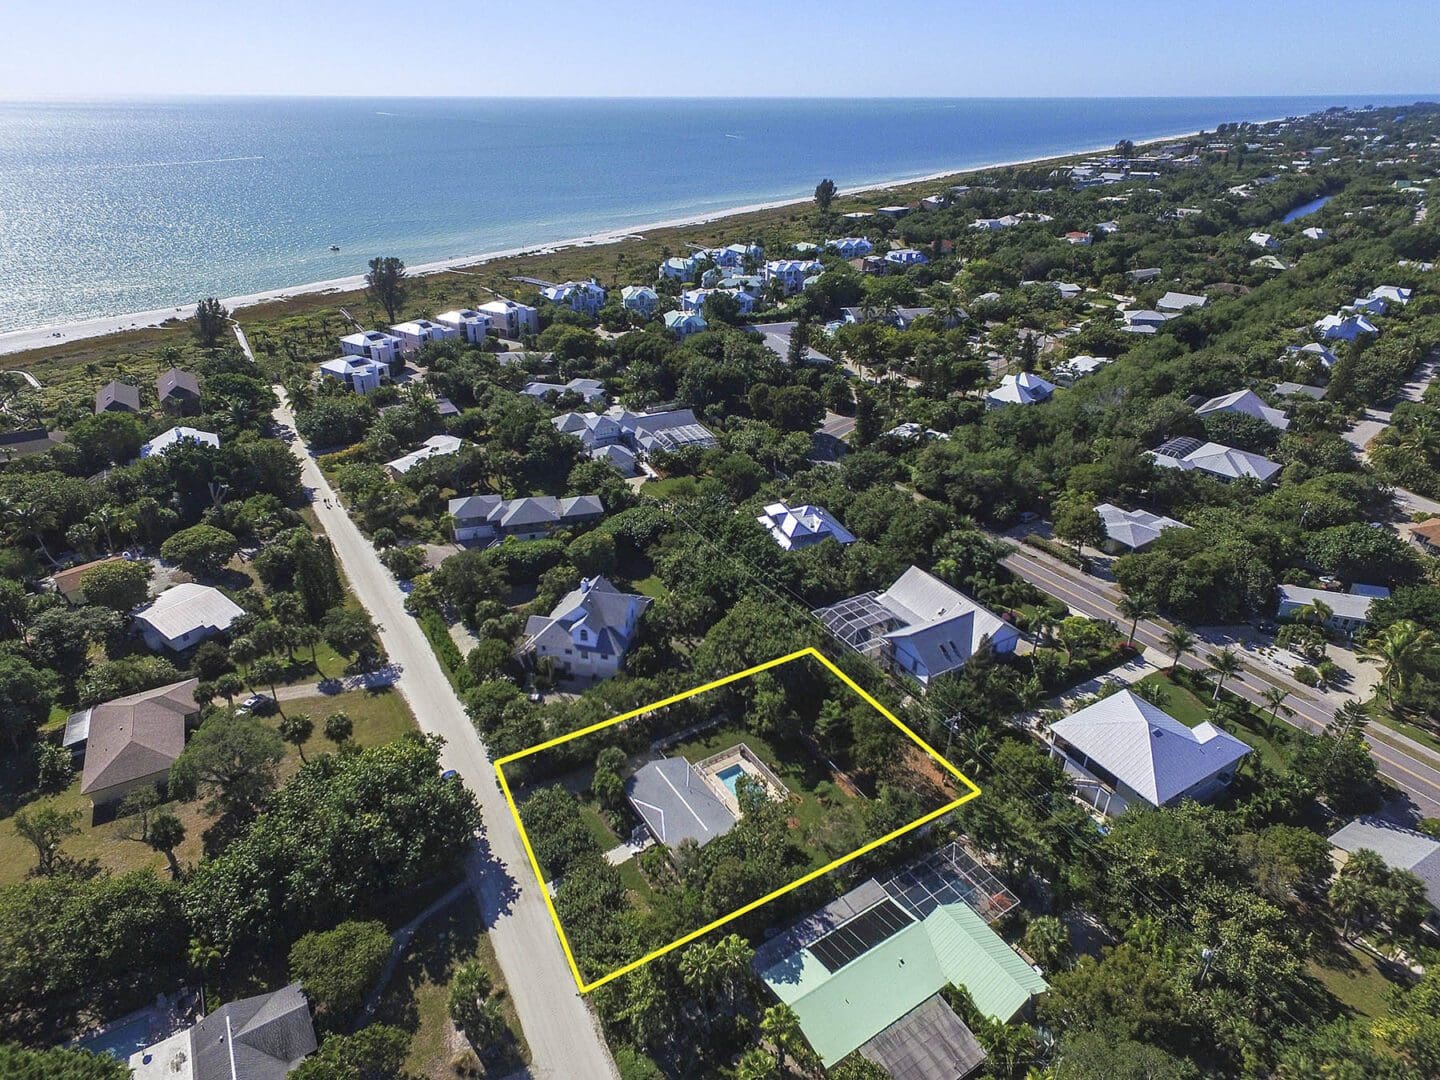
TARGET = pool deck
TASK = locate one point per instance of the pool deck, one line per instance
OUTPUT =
(738, 755)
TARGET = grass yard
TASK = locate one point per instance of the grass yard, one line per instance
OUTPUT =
(1355, 979)
(378, 718)
(415, 1000)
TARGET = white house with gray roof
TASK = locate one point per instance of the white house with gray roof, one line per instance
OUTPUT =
(1349, 611)
(804, 526)
(920, 626)
(1133, 530)
(256, 1038)
(1398, 847)
(511, 319)
(1247, 403)
(185, 615)
(489, 517)
(379, 346)
(1123, 750)
(1223, 462)
(418, 332)
(470, 324)
(589, 632)
(591, 390)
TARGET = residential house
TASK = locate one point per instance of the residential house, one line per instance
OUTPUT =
(256, 1038)
(906, 257)
(692, 301)
(1021, 389)
(1294, 389)
(1123, 750)
(178, 392)
(586, 297)
(27, 443)
(684, 323)
(358, 373)
(1264, 240)
(490, 518)
(919, 626)
(1223, 462)
(1107, 227)
(865, 973)
(168, 440)
(1270, 262)
(1427, 535)
(471, 325)
(435, 446)
(117, 397)
(1312, 353)
(791, 273)
(589, 632)
(1247, 403)
(1143, 321)
(1368, 305)
(664, 430)
(1079, 237)
(131, 742)
(510, 319)
(1143, 275)
(1179, 301)
(640, 299)
(1395, 294)
(594, 430)
(1344, 327)
(620, 458)
(910, 430)
(1133, 530)
(1349, 611)
(850, 247)
(1314, 232)
(734, 256)
(185, 615)
(1069, 372)
(803, 526)
(67, 582)
(418, 332)
(1068, 290)
(679, 268)
(592, 391)
(1399, 848)
(894, 212)
(379, 346)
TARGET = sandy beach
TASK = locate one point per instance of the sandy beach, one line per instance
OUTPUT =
(16, 341)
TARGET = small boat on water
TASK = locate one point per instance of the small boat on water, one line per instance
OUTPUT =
(334, 247)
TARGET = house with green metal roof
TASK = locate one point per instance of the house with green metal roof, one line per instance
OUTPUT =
(869, 973)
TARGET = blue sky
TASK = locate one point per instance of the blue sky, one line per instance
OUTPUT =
(840, 48)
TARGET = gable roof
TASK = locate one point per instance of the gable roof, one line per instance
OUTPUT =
(257, 1038)
(18, 444)
(1146, 748)
(117, 393)
(167, 440)
(176, 381)
(190, 606)
(941, 625)
(136, 736)
(1248, 403)
(599, 607)
(928, 1043)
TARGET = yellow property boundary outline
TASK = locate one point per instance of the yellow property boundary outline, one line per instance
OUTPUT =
(972, 790)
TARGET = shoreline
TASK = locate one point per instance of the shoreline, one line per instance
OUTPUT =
(40, 337)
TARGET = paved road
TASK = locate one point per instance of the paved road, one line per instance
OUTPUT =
(565, 1041)
(1412, 767)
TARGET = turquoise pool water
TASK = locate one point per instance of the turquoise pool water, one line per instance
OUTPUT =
(730, 776)
(122, 1041)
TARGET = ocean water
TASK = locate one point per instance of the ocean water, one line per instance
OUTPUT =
(115, 207)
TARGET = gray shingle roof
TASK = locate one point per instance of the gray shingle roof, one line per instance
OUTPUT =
(257, 1038)
(177, 382)
(1400, 848)
(677, 803)
(135, 736)
(117, 393)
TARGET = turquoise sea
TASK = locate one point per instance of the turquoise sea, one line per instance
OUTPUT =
(121, 206)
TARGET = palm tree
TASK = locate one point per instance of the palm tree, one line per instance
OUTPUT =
(1275, 697)
(1135, 608)
(203, 959)
(1401, 649)
(1316, 613)
(28, 519)
(781, 1029)
(1178, 642)
(1225, 663)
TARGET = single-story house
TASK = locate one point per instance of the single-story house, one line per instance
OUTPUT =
(1224, 462)
(185, 615)
(379, 346)
(1069, 372)
(591, 390)
(1398, 847)
(620, 458)
(255, 1038)
(1143, 321)
(168, 440)
(470, 324)
(1122, 749)
(920, 626)
(640, 299)
(676, 803)
(359, 373)
(663, 430)
(588, 632)
(1021, 389)
(20, 444)
(1078, 236)
(489, 517)
(1311, 352)
(67, 582)
(117, 397)
(131, 742)
(1248, 403)
(510, 319)
(871, 982)
(435, 446)
(1344, 327)
(1264, 240)
(1133, 530)
(1179, 301)
(1349, 611)
(799, 527)
(178, 391)
(1295, 389)
(1395, 294)
(1144, 274)
(1314, 232)
(910, 430)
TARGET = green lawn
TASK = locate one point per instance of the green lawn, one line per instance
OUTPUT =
(415, 1000)
(1353, 977)
(378, 718)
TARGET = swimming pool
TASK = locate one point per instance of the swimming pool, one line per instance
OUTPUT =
(120, 1041)
(730, 776)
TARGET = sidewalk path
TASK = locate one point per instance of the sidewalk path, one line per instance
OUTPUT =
(565, 1040)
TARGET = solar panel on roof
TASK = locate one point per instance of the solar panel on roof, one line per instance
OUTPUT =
(1179, 446)
(860, 935)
